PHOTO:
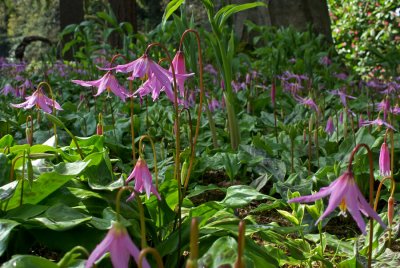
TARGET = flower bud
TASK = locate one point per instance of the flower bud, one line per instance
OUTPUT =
(29, 136)
(390, 210)
(99, 129)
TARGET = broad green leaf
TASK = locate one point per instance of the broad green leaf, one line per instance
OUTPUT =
(6, 226)
(61, 217)
(222, 253)
(241, 195)
(45, 184)
(29, 261)
(6, 141)
(25, 212)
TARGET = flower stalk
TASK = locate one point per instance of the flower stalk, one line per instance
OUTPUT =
(141, 212)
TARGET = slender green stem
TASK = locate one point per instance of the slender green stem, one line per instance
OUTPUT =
(371, 192)
(199, 109)
(21, 200)
(154, 252)
(141, 211)
(177, 142)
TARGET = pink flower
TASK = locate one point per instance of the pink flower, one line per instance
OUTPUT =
(109, 82)
(120, 246)
(144, 66)
(343, 96)
(143, 179)
(330, 127)
(308, 102)
(180, 72)
(378, 122)
(325, 61)
(384, 160)
(384, 106)
(39, 100)
(344, 193)
(7, 89)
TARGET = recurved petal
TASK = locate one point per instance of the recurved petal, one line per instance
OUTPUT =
(367, 209)
(100, 249)
(352, 206)
(338, 192)
(94, 83)
(134, 251)
(119, 252)
(325, 191)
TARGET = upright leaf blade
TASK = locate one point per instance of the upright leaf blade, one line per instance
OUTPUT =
(169, 10)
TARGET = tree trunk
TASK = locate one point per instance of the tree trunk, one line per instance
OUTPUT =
(71, 12)
(125, 11)
(300, 13)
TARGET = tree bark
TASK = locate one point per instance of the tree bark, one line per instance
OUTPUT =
(125, 11)
(71, 12)
(299, 14)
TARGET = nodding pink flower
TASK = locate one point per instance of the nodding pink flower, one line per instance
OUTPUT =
(384, 106)
(384, 160)
(143, 180)
(154, 87)
(341, 76)
(211, 70)
(325, 61)
(395, 110)
(343, 96)
(120, 246)
(180, 72)
(213, 105)
(378, 122)
(344, 193)
(236, 86)
(248, 79)
(109, 82)
(7, 89)
(222, 83)
(308, 102)
(145, 67)
(330, 127)
(39, 100)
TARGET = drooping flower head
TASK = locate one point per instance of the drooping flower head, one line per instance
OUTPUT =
(8, 89)
(384, 106)
(384, 160)
(158, 78)
(108, 82)
(377, 122)
(180, 72)
(343, 96)
(120, 246)
(330, 127)
(307, 102)
(143, 180)
(344, 193)
(39, 100)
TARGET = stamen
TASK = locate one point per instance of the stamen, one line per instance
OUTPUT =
(343, 208)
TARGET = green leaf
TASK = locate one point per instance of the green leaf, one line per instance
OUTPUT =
(29, 261)
(224, 13)
(241, 195)
(223, 252)
(61, 217)
(288, 216)
(169, 10)
(6, 141)
(6, 226)
(45, 184)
